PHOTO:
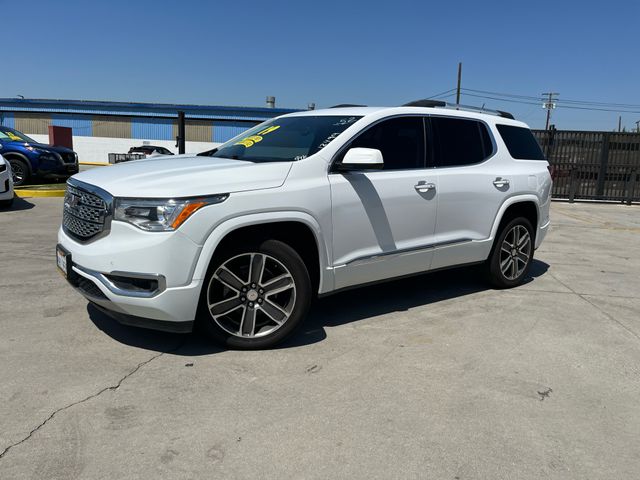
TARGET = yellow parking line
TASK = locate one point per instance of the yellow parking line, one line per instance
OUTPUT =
(96, 164)
(29, 192)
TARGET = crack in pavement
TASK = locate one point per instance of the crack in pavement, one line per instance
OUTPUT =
(584, 296)
(86, 399)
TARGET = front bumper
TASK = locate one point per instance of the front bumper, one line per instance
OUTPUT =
(172, 262)
(55, 167)
(6, 185)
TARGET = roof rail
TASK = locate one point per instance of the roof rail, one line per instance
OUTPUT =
(344, 105)
(426, 103)
(440, 103)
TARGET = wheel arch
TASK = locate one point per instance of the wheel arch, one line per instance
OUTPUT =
(527, 206)
(13, 154)
(299, 230)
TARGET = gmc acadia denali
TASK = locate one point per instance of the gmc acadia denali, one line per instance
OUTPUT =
(240, 239)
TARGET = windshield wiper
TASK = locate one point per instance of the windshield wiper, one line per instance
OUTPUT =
(208, 153)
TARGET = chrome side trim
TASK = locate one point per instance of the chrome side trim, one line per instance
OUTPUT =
(161, 279)
(425, 248)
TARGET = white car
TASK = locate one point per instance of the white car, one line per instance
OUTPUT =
(304, 204)
(6, 184)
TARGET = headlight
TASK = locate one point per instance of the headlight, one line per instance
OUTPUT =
(161, 215)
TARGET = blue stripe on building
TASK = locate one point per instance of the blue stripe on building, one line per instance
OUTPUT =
(223, 131)
(80, 125)
(7, 120)
(152, 128)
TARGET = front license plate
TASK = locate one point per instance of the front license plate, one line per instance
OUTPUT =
(63, 260)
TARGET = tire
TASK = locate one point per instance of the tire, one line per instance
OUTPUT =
(240, 312)
(6, 203)
(507, 266)
(20, 171)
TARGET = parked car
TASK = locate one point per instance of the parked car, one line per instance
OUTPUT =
(151, 150)
(6, 184)
(305, 204)
(30, 159)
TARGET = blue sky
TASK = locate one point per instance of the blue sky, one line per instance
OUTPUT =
(327, 52)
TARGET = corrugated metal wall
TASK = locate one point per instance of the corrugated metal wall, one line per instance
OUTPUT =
(152, 128)
(111, 127)
(7, 120)
(197, 130)
(32, 123)
(81, 125)
(223, 131)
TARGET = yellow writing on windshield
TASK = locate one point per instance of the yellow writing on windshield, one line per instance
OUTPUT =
(253, 139)
(13, 137)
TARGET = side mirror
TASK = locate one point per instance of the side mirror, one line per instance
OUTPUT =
(361, 159)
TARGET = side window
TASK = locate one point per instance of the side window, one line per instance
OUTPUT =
(401, 141)
(521, 143)
(459, 141)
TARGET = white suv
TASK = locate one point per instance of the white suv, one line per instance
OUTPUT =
(240, 239)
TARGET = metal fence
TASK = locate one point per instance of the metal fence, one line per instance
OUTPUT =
(593, 165)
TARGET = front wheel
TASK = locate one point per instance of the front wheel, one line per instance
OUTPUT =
(19, 171)
(255, 296)
(512, 254)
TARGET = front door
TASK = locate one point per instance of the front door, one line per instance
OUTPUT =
(384, 221)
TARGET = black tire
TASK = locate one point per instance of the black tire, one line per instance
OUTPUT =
(499, 267)
(279, 261)
(20, 171)
(6, 203)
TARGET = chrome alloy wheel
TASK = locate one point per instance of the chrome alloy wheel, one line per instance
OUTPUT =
(251, 295)
(515, 252)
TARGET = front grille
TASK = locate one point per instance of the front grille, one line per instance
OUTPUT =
(85, 214)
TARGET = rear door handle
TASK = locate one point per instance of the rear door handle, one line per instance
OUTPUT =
(424, 187)
(501, 182)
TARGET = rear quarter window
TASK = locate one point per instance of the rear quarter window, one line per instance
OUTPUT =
(521, 143)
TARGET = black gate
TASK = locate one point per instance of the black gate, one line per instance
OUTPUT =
(593, 165)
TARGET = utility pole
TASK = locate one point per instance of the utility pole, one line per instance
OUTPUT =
(619, 123)
(549, 104)
(459, 83)
(638, 126)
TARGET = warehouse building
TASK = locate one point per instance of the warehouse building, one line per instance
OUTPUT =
(101, 127)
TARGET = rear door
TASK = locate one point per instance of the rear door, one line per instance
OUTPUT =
(473, 181)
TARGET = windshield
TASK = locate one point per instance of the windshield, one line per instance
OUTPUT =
(285, 139)
(11, 135)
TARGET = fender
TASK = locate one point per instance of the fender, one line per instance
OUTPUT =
(507, 203)
(228, 226)
(19, 155)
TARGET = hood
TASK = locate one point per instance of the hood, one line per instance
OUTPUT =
(174, 176)
(43, 146)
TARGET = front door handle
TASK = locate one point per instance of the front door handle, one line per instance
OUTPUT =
(501, 182)
(424, 187)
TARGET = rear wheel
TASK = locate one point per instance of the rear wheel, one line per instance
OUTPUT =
(512, 254)
(255, 295)
(19, 171)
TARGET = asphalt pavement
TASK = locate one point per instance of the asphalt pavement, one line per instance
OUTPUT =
(436, 376)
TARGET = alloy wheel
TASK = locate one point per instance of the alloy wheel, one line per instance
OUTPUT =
(17, 172)
(515, 252)
(251, 295)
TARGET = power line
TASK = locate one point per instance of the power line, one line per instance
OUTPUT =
(559, 101)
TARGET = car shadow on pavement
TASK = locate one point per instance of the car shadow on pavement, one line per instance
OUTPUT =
(401, 295)
(339, 309)
(18, 204)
